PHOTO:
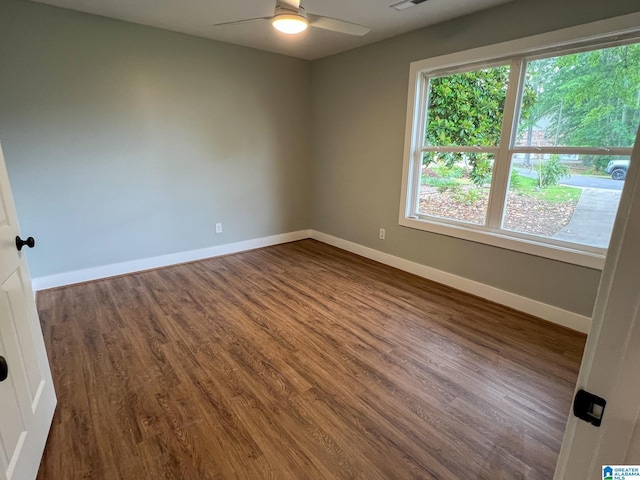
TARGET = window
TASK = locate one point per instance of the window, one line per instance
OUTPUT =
(528, 151)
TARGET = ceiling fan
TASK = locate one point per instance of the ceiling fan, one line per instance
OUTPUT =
(291, 17)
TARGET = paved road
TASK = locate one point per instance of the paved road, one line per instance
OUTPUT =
(579, 180)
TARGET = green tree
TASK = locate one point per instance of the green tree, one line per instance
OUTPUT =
(551, 172)
(467, 109)
(535, 75)
(590, 99)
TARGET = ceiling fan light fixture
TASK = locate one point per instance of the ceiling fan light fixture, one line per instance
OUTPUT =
(290, 23)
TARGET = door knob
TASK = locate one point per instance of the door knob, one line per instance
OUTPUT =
(4, 369)
(29, 242)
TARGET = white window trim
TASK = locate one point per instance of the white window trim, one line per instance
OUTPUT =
(609, 30)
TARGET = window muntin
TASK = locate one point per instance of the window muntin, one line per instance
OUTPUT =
(500, 219)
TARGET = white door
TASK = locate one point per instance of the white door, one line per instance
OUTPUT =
(27, 398)
(611, 364)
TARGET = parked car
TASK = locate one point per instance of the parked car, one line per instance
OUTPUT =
(618, 169)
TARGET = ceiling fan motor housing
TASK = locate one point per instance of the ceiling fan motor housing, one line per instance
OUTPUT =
(284, 9)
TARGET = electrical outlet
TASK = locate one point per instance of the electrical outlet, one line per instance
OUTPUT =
(382, 233)
(218, 228)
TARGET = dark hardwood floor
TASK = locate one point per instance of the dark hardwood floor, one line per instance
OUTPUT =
(300, 361)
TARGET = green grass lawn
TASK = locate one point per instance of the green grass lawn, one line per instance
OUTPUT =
(520, 185)
(556, 194)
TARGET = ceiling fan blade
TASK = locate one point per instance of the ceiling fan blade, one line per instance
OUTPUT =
(240, 22)
(335, 25)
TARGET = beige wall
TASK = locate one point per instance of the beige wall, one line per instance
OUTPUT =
(126, 142)
(360, 100)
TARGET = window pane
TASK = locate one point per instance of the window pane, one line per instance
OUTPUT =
(455, 186)
(564, 197)
(588, 99)
(466, 108)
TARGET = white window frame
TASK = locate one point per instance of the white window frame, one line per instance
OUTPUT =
(597, 34)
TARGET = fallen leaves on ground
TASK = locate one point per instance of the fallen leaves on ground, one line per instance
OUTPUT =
(524, 213)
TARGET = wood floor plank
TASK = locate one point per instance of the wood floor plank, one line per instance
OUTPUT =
(300, 361)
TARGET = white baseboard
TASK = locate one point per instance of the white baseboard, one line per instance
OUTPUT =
(550, 313)
(105, 271)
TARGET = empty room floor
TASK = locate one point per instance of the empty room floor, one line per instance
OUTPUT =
(300, 361)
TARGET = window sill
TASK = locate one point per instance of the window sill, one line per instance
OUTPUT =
(593, 258)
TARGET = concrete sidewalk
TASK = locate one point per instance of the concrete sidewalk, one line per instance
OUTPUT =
(592, 221)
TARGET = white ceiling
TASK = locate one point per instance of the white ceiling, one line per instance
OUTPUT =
(196, 17)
